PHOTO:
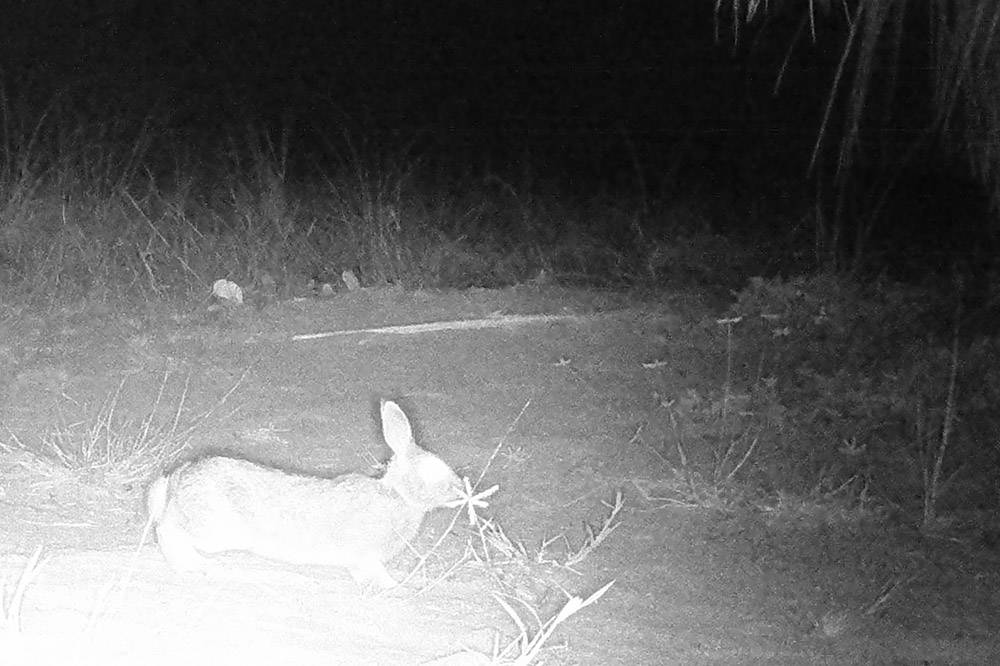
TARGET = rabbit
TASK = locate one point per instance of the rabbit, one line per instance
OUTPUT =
(219, 504)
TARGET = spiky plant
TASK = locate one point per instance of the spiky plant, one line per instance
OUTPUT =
(961, 56)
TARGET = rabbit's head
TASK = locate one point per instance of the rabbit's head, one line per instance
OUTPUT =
(421, 478)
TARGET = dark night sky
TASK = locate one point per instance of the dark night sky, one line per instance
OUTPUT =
(486, 80)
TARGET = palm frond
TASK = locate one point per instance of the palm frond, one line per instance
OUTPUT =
(963, 63)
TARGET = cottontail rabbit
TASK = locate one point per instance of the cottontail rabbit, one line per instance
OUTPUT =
(217, 504)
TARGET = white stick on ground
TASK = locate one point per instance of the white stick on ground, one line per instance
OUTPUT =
(505, 321)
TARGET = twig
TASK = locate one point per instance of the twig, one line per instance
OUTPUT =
(933, 491)
(10, 617)
(457, 325)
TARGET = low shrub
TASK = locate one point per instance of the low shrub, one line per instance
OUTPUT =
(871, 387)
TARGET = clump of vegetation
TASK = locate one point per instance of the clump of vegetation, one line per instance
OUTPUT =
(130, 209)
(872, 390)
(841, 397)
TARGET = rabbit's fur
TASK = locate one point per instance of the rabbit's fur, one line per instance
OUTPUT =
(218, 504)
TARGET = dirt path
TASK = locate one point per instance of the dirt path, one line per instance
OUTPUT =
(576, 412)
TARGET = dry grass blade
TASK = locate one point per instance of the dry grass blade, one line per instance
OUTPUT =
(493, 537)
(595, 539)
(10, 610)
(525, 648)
(886, 593)
(471, 500)
(932, 471)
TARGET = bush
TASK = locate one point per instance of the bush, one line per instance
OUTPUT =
(860, 375)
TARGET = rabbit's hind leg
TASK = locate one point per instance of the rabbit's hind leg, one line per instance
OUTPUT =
(175, 544)
(178, 549)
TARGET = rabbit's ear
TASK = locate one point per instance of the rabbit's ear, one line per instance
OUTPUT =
(396, 430)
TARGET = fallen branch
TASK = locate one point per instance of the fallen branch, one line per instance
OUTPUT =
(505, 321)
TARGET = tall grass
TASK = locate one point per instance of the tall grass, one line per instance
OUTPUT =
(927, 68)
(107, 206)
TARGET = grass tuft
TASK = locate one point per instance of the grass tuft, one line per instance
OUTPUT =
(11, 600)
(111, 449)
(526, 646)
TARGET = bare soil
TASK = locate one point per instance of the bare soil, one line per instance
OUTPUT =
(573, 416)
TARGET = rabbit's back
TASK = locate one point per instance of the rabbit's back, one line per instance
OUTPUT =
(225, 504)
